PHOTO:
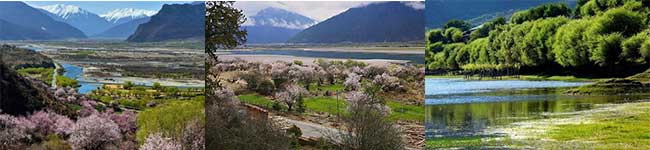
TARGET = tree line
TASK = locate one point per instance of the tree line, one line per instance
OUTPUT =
(601, 37)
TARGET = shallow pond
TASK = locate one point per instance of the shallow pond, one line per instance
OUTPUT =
(414, 58)
(456, 107)
(75, 72)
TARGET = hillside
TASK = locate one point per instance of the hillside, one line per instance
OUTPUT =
(173, 22)
(17, 58)
(476, 11)
(20, 95)
(376, 22)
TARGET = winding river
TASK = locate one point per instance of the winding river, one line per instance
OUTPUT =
(457, 107)
(75, 72)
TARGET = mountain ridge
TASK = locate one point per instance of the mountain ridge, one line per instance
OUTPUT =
(368, 24)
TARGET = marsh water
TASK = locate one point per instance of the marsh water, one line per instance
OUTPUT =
(457, 107)
(414, 58)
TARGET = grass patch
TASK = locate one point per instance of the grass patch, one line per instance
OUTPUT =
(257, 100)
(326, 105)
(43, 74)
(454, 142)
(405, 112)
(610, 131)
(612, 87)
(63, 81)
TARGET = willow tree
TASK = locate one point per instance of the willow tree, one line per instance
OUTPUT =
(223, 27)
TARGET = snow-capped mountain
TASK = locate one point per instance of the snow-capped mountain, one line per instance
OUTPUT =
(275, 25)
(86, 21)
(278, 17)
(65, 11)
(119, 16)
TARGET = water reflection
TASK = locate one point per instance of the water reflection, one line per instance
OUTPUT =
(470, 113)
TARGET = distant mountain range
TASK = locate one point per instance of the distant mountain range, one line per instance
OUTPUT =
(34, 24)
(275, 25)
(173, 22)
(375, 22)
(124, 15)
(122, 31)
(476, 12)
(94, 25)
(87, 22)
(19, 21)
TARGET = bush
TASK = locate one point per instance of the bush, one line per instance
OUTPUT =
(169, 119)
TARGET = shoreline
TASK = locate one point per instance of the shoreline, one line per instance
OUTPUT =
(305, 60)
(387, 50)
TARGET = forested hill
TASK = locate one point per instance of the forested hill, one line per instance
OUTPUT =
(377, 22)
(597, 37)
(477, 11)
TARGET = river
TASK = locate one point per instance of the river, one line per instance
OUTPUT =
(457, 107)
(75, 72)
(414, 58)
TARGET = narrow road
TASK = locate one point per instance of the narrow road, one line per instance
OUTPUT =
(312, 130)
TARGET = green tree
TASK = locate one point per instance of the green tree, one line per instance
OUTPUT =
(632, 47)
(539, 12)
(156, 86)
(619, 20)
(645, 51)
(128, 85)
(460, 24)
(570, 45)
(485, 29)
(223, 27)
(434, 36)
(453, 35)
(608, 50)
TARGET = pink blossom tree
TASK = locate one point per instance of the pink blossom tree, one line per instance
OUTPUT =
(156, 141)
(352, 82)
(95, 132)
(386, 82)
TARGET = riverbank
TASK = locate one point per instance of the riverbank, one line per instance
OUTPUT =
(267, 59)
(523, 77)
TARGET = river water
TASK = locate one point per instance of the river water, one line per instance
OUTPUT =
(75, 72)
(457, 107)
(414, 58)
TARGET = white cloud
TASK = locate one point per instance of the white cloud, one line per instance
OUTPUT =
(414, 4)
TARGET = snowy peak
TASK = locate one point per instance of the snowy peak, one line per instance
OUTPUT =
(119, 16)
(65, 11)
(278, 17)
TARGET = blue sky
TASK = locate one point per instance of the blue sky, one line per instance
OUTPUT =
(102, 7)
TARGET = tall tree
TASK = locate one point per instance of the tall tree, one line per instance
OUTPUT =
(222, 27)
